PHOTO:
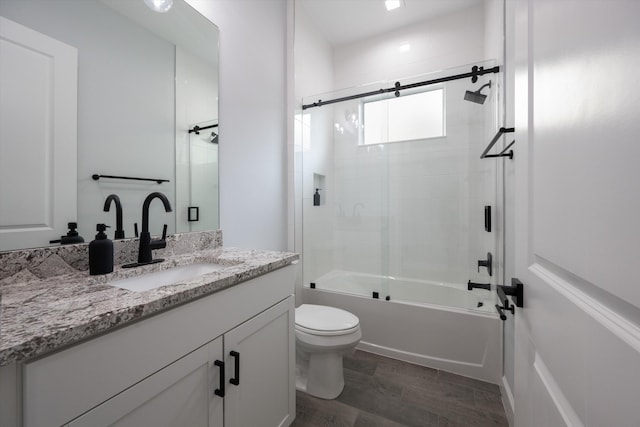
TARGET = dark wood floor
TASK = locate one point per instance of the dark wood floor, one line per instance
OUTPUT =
(383, 392)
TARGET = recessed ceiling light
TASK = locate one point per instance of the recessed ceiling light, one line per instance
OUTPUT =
(392, 4)
(404, 47)
(160, 6)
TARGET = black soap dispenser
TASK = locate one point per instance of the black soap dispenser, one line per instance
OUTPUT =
(316, 198)
(100, 253)
(72, 235)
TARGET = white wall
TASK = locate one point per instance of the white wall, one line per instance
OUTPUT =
(444, 42)
(313, 75)
(253, 122)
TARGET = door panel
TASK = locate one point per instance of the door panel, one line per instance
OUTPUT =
(577, 233)
(38, 130)
(266, 346)
(585, 131)
(181, 394)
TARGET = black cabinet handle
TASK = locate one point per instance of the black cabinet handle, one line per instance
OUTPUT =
(236, 371)
(220, 391)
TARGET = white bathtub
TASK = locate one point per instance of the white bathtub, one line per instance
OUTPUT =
(433, 324)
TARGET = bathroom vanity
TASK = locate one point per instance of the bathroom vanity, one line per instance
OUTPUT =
(214, 350)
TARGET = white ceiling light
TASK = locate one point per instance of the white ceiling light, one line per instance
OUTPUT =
(404, 47)
(392, 4)
(160, 6)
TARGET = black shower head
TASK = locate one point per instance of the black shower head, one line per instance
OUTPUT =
(477, 96)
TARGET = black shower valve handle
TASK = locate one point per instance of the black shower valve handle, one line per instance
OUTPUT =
(488, 263)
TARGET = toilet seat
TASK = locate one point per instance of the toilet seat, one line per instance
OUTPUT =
(327, 333)
(325, 321)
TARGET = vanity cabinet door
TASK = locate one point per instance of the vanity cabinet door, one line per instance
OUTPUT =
(262, 352)
(181, 394)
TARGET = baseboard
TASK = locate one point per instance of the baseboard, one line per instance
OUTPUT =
(507, 401)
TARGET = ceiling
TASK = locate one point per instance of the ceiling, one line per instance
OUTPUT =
(347, 21)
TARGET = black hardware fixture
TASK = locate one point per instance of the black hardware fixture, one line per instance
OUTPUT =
(135, 229)
(501, 310)
(71, 237)
(193, 213)
(97, 177)
(316, 197)
(475, 72)
(387, 298)
(146, 243)
(236, 368)
(516, 290)
(196, 129)
(375, 295)
(312, 285)
(471, 285)
(488, 263)
(477, 96)
(119, 233)
(495, 139)
(220, 390)
(487, 219)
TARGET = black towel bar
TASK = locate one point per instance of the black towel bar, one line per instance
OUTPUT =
(97, 177)
(495, 139)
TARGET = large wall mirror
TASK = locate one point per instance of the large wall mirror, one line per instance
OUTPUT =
(105, 87)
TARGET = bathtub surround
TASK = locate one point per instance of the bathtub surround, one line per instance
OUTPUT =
(464, 341)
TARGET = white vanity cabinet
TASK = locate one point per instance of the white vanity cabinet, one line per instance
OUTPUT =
(178, 395)
(165, 370)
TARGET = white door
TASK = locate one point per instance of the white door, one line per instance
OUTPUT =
(260, 362)
(38, 131)
(578, 213)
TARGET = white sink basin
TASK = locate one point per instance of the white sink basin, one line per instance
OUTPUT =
(156, 279)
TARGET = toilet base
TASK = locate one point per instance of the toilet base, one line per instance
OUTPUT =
(320, 375)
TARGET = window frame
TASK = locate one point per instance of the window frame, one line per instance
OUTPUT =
(415, 91)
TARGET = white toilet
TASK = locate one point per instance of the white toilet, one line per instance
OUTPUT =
(323, 335)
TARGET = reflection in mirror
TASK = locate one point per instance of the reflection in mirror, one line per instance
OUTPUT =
(143, 79)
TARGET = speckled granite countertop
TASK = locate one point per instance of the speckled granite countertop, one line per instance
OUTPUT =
(47, 304)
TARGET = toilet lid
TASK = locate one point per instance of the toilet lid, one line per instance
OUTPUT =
(325, 319)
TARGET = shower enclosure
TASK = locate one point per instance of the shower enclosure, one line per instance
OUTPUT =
(412, 207)
(404, 201)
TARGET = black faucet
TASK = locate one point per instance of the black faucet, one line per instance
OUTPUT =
(146, 244)
(119, 234)
(487, 263)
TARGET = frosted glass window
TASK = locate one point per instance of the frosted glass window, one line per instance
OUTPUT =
(406, 118)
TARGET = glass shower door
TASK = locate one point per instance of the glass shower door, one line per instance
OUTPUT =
(402, 189)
